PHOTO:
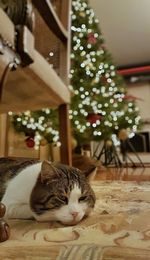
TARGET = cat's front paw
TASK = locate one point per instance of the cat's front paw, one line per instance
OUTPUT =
(4, 231)
(2, 210)
(4, 227)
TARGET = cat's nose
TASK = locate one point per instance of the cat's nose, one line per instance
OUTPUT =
(74, 214)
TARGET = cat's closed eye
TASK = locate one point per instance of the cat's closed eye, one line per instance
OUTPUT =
(60, 200)
(83, 198)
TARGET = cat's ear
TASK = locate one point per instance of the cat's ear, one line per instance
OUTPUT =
(90, 173)
(47, 170)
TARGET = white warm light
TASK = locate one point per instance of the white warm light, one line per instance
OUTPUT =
(75, 113)
(131, 135)
(10, 113)
(24, 122)
(88, 124)
(51, 54)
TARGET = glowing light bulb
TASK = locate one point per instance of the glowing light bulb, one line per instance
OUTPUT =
(51, 54)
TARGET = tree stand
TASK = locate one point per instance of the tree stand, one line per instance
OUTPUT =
(108, 155)
(4, 227)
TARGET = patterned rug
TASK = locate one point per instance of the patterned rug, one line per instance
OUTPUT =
(118, 228)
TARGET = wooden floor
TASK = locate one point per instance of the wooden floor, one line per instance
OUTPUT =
(125, 174)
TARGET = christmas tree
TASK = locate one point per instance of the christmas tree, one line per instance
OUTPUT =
(100, 105)
(37, 126)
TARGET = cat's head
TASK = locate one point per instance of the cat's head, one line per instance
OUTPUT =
(62, 193)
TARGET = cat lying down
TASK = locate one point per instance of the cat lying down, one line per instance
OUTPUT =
(46, 191)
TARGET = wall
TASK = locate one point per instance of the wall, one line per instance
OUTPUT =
(125, 27)
(142, 91)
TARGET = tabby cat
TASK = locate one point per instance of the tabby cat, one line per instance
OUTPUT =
(45, 191)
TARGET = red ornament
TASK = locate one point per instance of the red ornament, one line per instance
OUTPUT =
(92, 118)
(30, 142)
(91, 38)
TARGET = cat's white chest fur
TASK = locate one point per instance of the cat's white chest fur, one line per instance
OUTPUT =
(17, 195)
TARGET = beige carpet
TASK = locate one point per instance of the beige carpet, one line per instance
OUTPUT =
(118, 228)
